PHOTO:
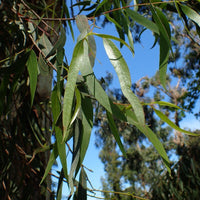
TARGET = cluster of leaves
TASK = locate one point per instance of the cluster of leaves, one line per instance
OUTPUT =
(27, 64)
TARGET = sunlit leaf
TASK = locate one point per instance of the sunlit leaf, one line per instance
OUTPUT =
(164, 118)
(32, 67)
(76, 63)
(77, 107)
(84, 28)
(192, 14)
(123, 73)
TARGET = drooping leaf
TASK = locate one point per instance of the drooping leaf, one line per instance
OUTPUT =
(164, 118)
(84, 28)
(142, 20)
(123, 73)
(113, 21)
(192, 14)
(77, 130)
(66, 10)
(76, 63)
(56, 110)
(82, 186)
(165, 42)
(163, 103)
(52, 159)
(60, 185)
(87, 124)
(77, 107)
(115, 132)
(32, 67)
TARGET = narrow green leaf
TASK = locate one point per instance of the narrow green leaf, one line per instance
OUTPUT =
(112, 20)
(56, 110)
(87, 124)
(131, 118)
(84, 28)
(76, 152)
(135, 5)
(56, 103)
(123, 73)
(77, 107)
(100, 5)
(60, 185)
(170, 123)
(165, 42)
(130, 38)
(142, 20)
(82, 186)
(32, 67)
(192, 14)
(115, 132)
(163, 103)
(66, 10)
(76, 63)
(52, 159)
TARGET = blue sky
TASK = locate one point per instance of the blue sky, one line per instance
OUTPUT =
(145, 62)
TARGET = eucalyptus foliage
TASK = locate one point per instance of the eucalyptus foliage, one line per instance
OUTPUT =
(32, 41)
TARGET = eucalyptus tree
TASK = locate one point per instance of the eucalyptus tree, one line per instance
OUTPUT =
(32, 40)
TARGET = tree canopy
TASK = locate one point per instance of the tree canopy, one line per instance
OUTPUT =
(44, 98)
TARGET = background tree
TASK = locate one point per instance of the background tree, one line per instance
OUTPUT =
(32, 41)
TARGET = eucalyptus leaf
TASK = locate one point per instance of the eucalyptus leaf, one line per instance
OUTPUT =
(135, 16)
(115, 132)
(165, 42)
(32, 67)
(192, 14)
(123, 73)
(82, 186)
(76, 63)
(170, 123)
(52, 159)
